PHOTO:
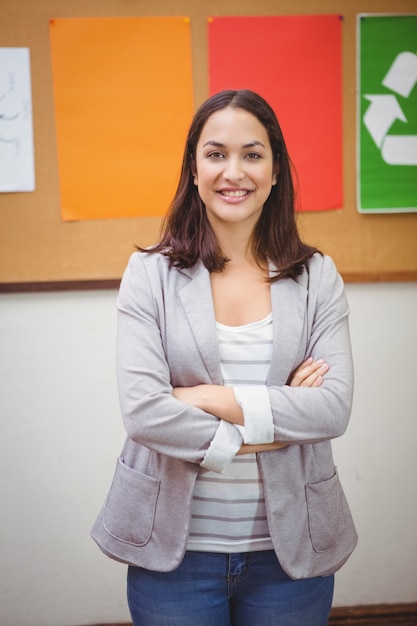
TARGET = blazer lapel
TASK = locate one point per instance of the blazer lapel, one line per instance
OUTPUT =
(288, 312)
(197, 301)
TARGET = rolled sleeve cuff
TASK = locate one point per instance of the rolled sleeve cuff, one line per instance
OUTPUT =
(223, 448)
(256, 406)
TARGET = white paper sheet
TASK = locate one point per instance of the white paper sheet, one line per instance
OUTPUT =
(17, 169)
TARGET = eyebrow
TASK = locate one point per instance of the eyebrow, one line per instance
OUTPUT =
(217, 144)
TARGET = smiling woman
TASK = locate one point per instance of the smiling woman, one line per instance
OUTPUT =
(235, 373)
(187, 234)
(235, 170)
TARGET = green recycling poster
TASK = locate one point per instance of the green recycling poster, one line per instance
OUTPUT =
(387, 113)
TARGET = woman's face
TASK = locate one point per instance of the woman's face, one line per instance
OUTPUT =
(234, 168)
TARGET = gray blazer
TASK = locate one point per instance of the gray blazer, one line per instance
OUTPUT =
(167, 338)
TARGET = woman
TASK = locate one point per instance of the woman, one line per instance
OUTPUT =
(234, 372)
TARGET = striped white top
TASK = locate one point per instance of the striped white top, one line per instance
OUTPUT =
(228, 509)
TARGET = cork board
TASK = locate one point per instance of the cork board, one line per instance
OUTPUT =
(40, 251)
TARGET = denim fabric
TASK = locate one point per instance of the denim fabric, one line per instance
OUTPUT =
(212, 589)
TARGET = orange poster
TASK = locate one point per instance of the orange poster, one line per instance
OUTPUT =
(123, 103)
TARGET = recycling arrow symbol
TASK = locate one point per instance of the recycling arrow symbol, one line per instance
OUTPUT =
(385, 109)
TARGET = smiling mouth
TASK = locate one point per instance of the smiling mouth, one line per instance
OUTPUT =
(237, 193)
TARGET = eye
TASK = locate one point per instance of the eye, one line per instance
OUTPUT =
(215, 155)
(253, 155)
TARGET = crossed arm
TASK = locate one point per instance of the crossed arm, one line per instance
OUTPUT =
(220, 401)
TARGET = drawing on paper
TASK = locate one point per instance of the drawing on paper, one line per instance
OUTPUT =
(16, 131)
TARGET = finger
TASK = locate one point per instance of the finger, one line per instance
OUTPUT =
(315, 379)
(307, 377)
(319, 381)
(304, 371)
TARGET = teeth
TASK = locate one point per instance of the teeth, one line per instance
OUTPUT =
(235, 194)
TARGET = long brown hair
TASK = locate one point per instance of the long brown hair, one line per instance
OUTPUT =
(186, 233)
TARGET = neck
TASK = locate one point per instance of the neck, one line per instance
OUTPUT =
(235, 245)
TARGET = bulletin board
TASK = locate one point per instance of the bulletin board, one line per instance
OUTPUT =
(38, 251)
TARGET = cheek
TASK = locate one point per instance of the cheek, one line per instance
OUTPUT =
(202, 176)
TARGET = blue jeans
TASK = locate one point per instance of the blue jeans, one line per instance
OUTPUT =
(209, 589)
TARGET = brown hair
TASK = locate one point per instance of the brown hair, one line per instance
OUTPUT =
(186, 233)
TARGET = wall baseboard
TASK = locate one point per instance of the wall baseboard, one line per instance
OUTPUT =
(375, 615)
(367, 615)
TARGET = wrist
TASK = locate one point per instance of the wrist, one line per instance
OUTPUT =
(219, 401)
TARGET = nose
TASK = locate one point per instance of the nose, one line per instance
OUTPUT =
(233, 169)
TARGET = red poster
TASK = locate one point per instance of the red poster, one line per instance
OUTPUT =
(294, 62)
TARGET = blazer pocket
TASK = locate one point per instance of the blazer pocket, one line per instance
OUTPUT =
(325, 513)
(129, 512)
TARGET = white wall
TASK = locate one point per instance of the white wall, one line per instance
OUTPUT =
(60, 432)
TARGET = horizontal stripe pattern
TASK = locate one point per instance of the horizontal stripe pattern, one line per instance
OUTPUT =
(228, 510)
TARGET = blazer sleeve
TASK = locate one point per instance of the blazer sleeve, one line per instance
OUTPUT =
(151, 414)
(303, 414)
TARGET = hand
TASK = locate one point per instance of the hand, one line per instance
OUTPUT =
(247, 448)
(188, 395)
(309, 374)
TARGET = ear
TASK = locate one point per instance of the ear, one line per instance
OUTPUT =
(195, 180)
(275, 174)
